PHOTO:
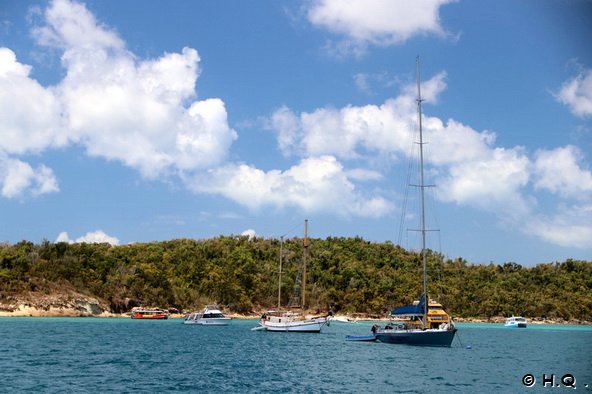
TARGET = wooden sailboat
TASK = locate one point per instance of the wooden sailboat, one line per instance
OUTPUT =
(425, 322)
(290, 321)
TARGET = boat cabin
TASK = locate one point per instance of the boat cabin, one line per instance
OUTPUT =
(437, 315)
(412, 315)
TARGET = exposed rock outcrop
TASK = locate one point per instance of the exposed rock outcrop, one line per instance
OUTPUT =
(56, 304)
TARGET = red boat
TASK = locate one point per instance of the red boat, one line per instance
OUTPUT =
(149, 314)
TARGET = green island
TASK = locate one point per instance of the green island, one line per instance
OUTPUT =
(350, 275)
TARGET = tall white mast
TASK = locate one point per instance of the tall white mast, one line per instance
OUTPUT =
(422, 200)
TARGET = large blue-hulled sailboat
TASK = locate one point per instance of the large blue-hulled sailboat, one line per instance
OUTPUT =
(421, 323)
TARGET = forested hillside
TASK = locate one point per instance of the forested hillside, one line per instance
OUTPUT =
(349, 274)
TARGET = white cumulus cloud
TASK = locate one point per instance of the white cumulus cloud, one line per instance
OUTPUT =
(70, 24)
(576, 93)
(249, 233)
(18, 178)
(142, 113)
(570, 226)
(377, 22)
(466, 164)
(316, 184)
(352, 131)
(133, 111)
(493, 182)
(558, 171)
(30, 113)
(95, 237)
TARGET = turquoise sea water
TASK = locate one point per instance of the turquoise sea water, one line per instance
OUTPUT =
(123, 355)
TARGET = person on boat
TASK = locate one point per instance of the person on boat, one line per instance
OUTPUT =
(374, 328)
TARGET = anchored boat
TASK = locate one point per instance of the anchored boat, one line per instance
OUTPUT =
(149, 314)
(515, 322)
(422, 323)
(290, 321)
(211, 315)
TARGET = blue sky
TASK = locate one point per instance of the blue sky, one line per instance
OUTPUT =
(135, 121)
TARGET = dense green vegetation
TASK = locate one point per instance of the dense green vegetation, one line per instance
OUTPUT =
(349, 274)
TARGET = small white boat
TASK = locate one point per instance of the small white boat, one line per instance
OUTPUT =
(289, 321)
(280, 321)
(209, 316)
(515, 322)
(344, 319)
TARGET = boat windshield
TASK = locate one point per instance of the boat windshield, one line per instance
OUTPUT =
(212, 315)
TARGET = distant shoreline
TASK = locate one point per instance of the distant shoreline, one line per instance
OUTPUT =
(30, 311)
(79, 305)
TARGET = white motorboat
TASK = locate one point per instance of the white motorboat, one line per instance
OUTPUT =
(515, 322)
(209, 316)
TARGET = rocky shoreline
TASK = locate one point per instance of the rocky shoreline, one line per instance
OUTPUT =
(79, 305)
(54, 305)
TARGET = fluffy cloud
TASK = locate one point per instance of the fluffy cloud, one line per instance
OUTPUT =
(569, 227)
(493, 182)
(71, 25)
(249, 233)
(377, 22)
(30, 113)
(317, 184)
(143, 114)
(139, 113)
(95, 237)
(133, 111)
(352, 132)
(30, 123)
(18, 178)
(467, 166)
(558, 171)
(576, 93)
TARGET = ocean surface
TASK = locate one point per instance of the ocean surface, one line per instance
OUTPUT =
(99, 355)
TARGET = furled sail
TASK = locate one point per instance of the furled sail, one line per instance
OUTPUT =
(416, 309)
